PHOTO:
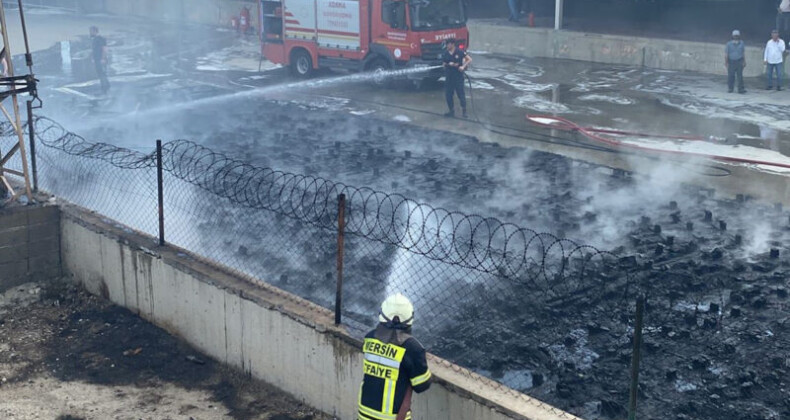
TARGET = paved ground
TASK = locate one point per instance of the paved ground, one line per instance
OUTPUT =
(147, 56)
(68, 355)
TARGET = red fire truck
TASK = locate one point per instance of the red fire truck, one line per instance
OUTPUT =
(359, 35)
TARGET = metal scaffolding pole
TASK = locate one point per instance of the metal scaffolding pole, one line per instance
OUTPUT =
(13, 87)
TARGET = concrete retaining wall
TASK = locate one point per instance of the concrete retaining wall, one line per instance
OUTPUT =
(609, 49)
(212, 12)
(490, 36)
(262, 330)
(29, 244)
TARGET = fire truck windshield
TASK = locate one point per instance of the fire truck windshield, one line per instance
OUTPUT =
(431, 15)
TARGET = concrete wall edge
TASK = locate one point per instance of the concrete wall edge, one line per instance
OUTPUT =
(656, 53)
(482, 391)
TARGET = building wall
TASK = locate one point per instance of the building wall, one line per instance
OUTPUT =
(212, 12)
(29, 244)
(266, 332)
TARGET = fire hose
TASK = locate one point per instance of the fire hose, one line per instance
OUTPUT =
(597, 135)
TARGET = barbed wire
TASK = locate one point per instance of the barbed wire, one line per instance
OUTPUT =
(53, 135)
(552, 264)
(485, 244)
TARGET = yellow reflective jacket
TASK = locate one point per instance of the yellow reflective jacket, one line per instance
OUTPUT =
(394, 361)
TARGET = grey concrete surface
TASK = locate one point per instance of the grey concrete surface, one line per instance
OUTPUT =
(29, 244)
(495, 36)
(214, 12)
(266, 332)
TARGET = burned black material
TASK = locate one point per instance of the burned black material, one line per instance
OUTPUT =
(540, 314)
(473, 242)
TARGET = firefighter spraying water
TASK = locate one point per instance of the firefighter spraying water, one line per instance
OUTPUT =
(455, 61)
(394, 365)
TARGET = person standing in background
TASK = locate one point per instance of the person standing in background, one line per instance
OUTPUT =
(514, 12)
(783, 19)
(735, 61)
(774, 60)
(99, 56)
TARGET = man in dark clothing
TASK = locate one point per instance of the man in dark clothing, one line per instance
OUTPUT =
(394, 364)
(4, 62)
(735, 61)
(455, 63)
(99, 55)
(783, 18)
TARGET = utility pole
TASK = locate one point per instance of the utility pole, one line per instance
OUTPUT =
(12, 86)
(559, 11)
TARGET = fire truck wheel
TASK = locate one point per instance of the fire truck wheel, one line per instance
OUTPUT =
(301, 63)
(378, 67)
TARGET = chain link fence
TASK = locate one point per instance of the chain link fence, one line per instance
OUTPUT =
(538, 314)
(493, 297)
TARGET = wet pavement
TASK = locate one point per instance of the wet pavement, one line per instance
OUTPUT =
(163, 57)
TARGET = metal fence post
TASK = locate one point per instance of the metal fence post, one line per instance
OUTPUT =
(160, 187)
(341, 232)
(640, 311)
(32, 134)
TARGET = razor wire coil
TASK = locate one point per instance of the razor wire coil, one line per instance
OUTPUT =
(484, 244)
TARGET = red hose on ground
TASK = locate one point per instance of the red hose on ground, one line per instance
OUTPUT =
(563, 124)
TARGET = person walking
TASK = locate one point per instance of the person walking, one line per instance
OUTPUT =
(774, 60)
(783, 19)
(394, 364)
(455, 63)
(735, 61)
(99, 56)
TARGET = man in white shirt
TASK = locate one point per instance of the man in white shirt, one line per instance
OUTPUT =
(774, 58)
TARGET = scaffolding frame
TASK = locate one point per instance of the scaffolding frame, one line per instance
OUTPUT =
(12, 86)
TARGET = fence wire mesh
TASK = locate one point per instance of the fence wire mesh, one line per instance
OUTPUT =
(113, 182)
(527, 309)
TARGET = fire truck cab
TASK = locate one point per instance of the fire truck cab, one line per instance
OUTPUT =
(359, 35)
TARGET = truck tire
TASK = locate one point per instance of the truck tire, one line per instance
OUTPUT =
(377, 67)
(301, 64)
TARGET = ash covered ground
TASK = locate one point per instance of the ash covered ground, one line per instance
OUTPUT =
(717, 296)
(716, 323)
(68, 355)
(714, 268)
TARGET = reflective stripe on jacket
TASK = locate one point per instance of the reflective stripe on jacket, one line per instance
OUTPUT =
(394, 361)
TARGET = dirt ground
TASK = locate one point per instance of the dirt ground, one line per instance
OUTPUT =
(68, 355)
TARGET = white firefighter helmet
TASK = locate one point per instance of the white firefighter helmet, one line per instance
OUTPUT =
(398, 306)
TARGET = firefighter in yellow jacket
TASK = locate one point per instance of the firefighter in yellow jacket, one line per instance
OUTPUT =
(394, 364)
